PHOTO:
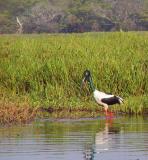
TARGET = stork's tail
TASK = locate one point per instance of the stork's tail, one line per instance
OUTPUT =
(120, 100)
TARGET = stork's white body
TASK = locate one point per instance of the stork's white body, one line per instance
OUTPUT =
(98, 95)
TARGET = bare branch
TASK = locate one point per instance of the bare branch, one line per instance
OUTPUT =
(20, 29)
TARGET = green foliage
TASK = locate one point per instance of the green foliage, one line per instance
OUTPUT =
(48, 68)
(9, 11)
(40, 16)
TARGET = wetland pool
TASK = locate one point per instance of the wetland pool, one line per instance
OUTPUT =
(118, 138)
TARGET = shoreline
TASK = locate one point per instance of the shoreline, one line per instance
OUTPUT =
(10, 116)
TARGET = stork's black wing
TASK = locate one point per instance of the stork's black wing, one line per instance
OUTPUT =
(111, 100)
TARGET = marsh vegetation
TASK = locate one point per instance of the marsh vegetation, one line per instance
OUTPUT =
(45, 71)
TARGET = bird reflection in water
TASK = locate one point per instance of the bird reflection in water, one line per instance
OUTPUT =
(101, 140)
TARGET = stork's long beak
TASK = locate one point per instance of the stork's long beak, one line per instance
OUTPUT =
(83, 83)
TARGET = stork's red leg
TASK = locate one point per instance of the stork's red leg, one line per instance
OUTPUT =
(106, 113)
(106, 110)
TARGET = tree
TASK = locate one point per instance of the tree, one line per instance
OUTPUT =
(124, 13)
(43, 18)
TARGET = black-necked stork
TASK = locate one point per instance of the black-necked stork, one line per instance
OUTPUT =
(101, 98)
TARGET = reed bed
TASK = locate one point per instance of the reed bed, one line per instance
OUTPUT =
(47, 69)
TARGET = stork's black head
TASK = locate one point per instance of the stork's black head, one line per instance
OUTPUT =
(86, 75)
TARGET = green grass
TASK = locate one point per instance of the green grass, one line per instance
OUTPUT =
(46, 70)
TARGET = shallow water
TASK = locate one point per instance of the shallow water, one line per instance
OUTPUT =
(121, 138)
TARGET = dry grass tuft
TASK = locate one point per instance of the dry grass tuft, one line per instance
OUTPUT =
(12, 114)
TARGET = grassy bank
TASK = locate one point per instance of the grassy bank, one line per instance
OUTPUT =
(45, 70)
